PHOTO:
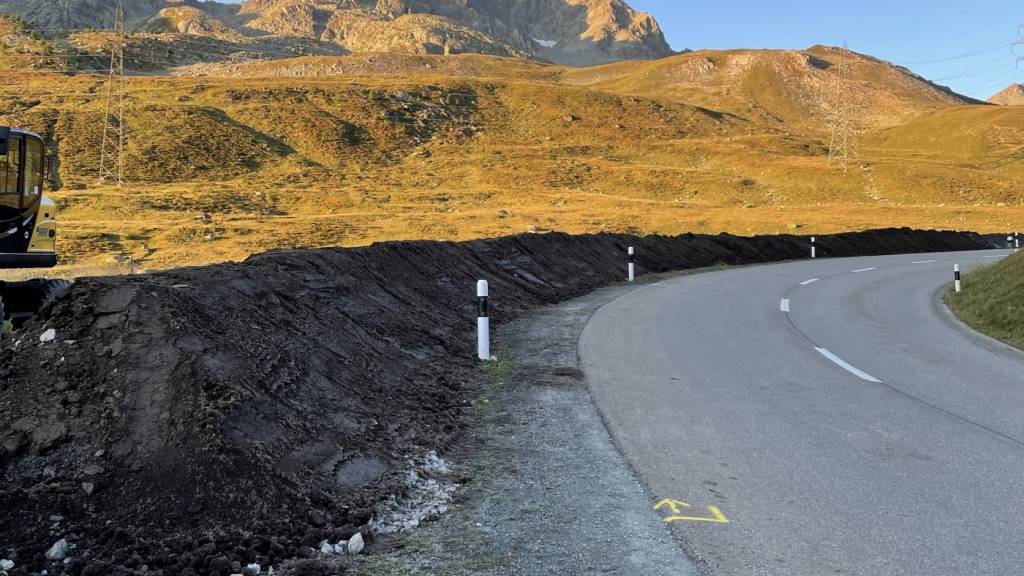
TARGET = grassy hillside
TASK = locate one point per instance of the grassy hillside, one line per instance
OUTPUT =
(992, 300)
(781, 88)
(976, 136)
(349, 151)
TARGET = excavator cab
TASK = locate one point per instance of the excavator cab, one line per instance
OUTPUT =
(28, 226)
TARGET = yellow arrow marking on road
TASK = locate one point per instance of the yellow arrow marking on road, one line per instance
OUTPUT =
(676, 507)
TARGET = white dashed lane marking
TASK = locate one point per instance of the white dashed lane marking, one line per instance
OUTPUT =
(845, 366)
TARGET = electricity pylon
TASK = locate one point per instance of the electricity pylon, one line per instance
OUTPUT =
(1014, 49)
(112, 149)
(840, 149)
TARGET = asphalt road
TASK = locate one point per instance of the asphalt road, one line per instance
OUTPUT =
(864, 431)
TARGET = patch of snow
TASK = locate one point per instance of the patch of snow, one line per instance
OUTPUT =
(546, 43)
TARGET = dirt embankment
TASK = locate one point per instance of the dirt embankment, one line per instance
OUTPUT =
(196, 420)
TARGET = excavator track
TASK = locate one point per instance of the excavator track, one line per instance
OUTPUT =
(19, 301)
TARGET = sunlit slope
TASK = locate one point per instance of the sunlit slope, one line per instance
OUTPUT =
(390, 64)
(1012, 95)
(970, 155)
(405, 147)
(211, 129)
(777, 87)
(983, 136)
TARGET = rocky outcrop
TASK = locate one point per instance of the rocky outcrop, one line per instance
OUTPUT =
(1012, 95)
(591, 31)
(387, 26)
(190, 20)
(575, 32)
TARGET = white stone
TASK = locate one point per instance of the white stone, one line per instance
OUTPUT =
(58, 551)
(326, 548)
(356, 544)
(48, 336)
(6, 565)
(255, 568)
(339, 549)
(434, 463)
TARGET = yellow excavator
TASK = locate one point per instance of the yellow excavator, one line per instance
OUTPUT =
(28, 226)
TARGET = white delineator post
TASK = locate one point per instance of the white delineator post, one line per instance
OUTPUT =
(1016, 241)
(956, 277)
(632, 264)
(483, 321)
(814, 249)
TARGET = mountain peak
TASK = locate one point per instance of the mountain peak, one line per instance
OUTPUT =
(1012, 95)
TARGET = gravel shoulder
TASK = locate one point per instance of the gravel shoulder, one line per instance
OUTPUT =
(550, 493)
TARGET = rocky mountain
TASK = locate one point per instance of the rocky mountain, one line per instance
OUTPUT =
(573, 32)
(63, 15)
(1012, 95)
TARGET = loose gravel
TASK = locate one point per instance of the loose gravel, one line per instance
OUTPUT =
(550, 493)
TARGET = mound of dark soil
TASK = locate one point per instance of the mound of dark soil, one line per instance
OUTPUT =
(193, 421)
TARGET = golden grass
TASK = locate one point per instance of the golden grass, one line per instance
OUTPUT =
(224, 167)
(72, 271)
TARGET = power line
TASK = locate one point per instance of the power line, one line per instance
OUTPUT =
(979, 52)
(979, 70)
(1019, 42)
(1008, 75)
(112, 149)
(991, 85)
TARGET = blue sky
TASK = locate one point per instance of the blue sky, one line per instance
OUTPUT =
(913, 33)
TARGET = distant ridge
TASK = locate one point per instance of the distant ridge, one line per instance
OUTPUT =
(779, 87)
(1012, 95)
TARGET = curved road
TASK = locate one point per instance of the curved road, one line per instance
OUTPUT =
(861, 432)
